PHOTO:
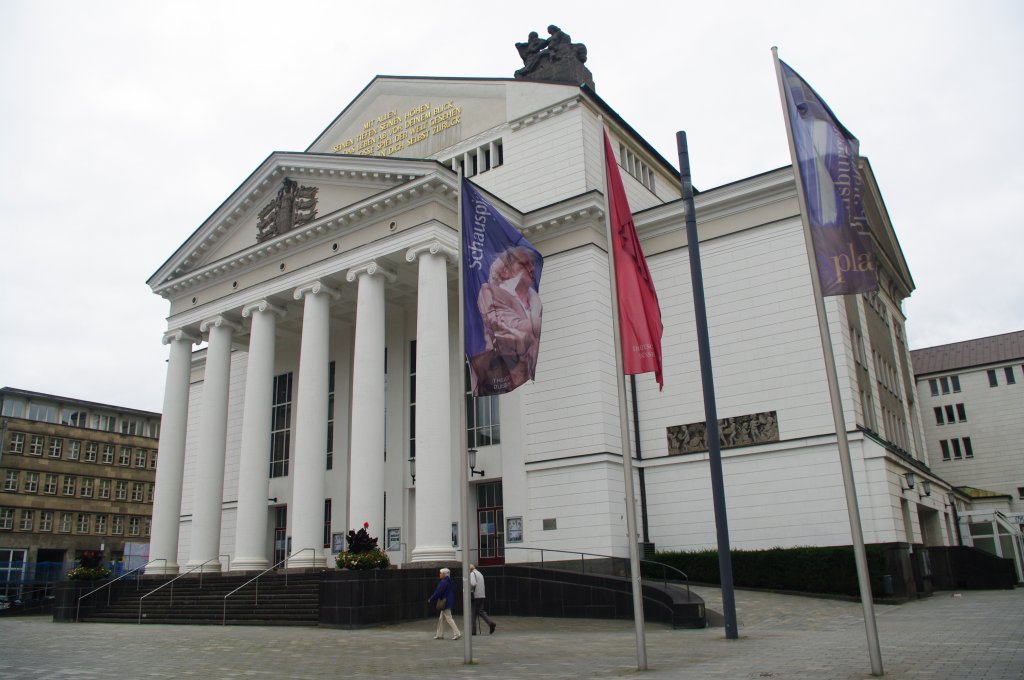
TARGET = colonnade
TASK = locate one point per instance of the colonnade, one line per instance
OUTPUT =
(366, 446)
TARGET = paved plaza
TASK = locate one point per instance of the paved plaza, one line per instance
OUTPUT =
(974, 635)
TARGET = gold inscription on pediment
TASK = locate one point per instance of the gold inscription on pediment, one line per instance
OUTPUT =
(393, 131)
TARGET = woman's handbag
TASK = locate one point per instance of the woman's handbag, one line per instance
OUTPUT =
(441, 602)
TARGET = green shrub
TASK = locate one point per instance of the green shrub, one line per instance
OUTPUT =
(827, 570)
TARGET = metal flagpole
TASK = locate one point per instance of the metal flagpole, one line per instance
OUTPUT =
(627, 456)
(467, 602)
(852, 508)
(708, 383)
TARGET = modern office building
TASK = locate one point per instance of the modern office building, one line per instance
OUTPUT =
(77, 476)
(325, 392)
(972, 403)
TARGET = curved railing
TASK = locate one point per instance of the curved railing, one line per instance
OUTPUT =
(78, 605)
(224, 614)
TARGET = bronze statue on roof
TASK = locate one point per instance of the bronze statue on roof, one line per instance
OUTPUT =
(555, 58)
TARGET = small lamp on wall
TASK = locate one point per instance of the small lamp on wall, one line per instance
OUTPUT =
(472, 463)
(911, 480)
(926, 488)
(412, 470)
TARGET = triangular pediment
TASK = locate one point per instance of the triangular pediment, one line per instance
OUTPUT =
(888, 249)
(343, 190)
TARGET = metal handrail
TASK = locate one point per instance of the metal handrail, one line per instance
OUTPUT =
(78, 605)
(171, 583)
(224, 612)
(583, 555)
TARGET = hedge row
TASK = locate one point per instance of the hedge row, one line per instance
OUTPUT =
(830, 570)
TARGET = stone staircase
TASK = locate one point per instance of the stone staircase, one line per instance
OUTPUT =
(272, 601)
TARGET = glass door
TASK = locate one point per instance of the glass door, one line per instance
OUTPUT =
(280, 533)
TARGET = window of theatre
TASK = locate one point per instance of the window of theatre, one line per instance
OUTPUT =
(483, 423)
(281, 425)
(481, 159)
(632, 164)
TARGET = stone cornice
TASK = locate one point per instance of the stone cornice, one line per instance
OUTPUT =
(315, 288)
(434, 247)
(544, 114)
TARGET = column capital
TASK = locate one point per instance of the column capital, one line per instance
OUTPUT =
(315, 288)
(371, 268)
(217, 322)
(181, 335)
(434, 247)
(262, 306)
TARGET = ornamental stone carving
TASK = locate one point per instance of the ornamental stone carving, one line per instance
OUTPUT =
(757, 428)
(293, 207)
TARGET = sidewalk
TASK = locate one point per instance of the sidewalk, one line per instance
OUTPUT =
(978, 635)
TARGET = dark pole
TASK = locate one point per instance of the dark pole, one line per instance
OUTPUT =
(710, 412)
(639, 456)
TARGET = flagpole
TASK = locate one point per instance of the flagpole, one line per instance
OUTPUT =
(708, 383)
(852, 508)
(627, 455)
(467, 602)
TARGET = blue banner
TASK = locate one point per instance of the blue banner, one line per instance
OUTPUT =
(827, 161)
(501, 278)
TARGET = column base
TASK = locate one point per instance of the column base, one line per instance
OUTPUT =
(428, 553)
(306, 561)
(211, 567)
(249, 564)
(161, 569)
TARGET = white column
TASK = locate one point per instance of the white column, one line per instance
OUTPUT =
(366, 451)
(163, 542)
(213, 427)
(253, 477)
(307, 511)
(434, 484)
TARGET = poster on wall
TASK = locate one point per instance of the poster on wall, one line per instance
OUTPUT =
(337, 542)
(514, 530)
(394, 539)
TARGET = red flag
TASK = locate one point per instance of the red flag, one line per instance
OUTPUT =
(639, 313)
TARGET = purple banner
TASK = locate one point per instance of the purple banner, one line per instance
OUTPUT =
(827, 156)
(501, 276)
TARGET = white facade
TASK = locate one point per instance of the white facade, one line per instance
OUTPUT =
(375, 272)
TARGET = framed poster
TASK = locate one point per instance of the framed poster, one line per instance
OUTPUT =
(455, 534)
(337, 542)
(394, 539)
(514, 530)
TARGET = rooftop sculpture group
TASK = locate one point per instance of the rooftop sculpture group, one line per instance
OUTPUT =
(555, 58)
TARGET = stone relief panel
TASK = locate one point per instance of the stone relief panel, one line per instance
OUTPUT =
(293, 207)
(756, 428)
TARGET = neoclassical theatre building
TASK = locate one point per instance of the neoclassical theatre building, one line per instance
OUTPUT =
(314, 380)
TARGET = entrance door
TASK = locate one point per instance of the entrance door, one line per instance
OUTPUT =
(280, 533)
(490, 518)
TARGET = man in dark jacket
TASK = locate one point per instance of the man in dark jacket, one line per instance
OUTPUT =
(444, 596)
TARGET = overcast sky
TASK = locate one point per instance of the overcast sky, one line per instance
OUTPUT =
(123, 125)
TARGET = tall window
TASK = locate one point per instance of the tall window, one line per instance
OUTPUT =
(74, 449)
(6, 518)
(35, 445)
(327, 518)
(126, 456)
(101, 524)
(993, 379)
(56, 446)
(108, 454)
(134, 526)
(1010, 379)
(70, 484)
(121, 491)
(65, 522)
(280, 425)
(86, 489)
(31, 482)
(412, 399)
(140, 458)
(91, 451)
(11, 480)
(50, 483)
(330, 417)
(104, 489)
(483, 424)
(28, 520)
(46, 520)
(117, 525)
(84, 520)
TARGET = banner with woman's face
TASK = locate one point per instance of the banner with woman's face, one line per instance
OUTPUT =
(501, 276)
